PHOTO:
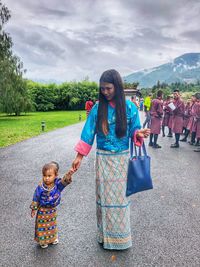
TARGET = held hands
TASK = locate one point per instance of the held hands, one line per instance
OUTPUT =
(68, 176)
(77, 162)
(143, 133)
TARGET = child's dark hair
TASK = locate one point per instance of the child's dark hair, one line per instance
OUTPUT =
(56, 164)
(49, 166)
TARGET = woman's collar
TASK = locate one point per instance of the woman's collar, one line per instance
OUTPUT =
(112, 103)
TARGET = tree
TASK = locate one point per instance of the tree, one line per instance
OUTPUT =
(5, 39)
(14, 97)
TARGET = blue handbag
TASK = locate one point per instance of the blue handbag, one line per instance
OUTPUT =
(139, 176)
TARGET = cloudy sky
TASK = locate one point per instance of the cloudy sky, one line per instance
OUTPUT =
(71, 39)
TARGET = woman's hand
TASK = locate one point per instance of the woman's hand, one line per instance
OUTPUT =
(77, 162)
(144, 133)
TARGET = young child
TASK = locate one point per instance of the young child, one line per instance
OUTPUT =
(46, 198)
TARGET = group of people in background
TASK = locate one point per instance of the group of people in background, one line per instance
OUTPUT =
(178, 117)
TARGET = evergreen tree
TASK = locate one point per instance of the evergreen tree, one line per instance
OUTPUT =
(14, 96)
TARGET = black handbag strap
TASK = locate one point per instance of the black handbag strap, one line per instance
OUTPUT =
(141, 149)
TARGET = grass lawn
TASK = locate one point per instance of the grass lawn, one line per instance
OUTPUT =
(14, 129)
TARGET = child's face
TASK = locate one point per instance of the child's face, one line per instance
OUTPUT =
(49, 176)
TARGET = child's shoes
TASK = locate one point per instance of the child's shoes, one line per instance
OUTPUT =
(55, 242)
(44, 246)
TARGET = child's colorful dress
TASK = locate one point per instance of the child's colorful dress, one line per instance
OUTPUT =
(45, 201)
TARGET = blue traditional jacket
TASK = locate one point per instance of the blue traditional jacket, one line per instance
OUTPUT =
(111, 142)
(43, 197)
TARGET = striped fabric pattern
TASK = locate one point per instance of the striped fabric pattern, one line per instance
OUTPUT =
(112, 205)
(46, 226)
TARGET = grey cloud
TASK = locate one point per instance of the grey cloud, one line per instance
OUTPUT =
(54, 12)
(72, 39)
(192, 35)
(40, 38)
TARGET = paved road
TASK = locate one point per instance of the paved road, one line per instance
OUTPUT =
(165, 221)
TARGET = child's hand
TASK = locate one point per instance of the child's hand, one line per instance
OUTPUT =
(33, 212)
(68, 176)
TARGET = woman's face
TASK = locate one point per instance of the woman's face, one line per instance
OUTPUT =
(108, 90)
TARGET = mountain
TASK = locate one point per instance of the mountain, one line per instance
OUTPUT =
(185, 68)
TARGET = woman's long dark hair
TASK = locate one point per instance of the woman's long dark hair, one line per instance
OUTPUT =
(112, 76)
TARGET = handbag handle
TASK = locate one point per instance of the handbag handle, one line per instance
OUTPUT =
(141, 149)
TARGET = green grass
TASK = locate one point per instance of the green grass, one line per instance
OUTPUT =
(15, 129)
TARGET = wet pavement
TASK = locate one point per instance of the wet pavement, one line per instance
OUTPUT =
(165, 221)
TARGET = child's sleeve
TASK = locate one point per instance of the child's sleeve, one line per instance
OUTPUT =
(61, 184)
(36, 197)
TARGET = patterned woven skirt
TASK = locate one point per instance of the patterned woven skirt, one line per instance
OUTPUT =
(113, 211)
(46, 226)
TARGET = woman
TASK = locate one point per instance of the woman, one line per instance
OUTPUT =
(113, 120)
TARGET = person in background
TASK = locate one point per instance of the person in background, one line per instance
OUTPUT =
(177, 119)
(141, 104)
(88, 106)
(147, 106)
(186, 120)
(197, 118)
(192, 122)
(170, 119)
(135, 101)
(156, 113)
(167, 111)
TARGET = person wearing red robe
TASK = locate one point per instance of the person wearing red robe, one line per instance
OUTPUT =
(186, 119)
(177, 120)
(192, 122)
(197, 118)
(166, 117)
(156, 113)
(190, 112)
(88, 106)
